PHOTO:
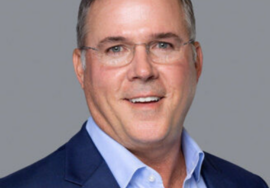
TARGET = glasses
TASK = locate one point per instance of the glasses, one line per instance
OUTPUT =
(119, 54)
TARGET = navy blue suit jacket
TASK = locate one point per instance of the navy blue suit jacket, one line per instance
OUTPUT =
(79, 164)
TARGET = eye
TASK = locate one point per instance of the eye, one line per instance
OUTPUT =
(115, 49)
(118, 50)
(163, 46)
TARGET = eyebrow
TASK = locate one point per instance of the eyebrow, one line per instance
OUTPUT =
(166, 36)
(112, 40)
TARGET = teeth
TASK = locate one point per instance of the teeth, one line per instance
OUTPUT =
(145, 99)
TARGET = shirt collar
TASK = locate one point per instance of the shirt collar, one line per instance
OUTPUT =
(123, 159)
(194, 156)
(116, 156)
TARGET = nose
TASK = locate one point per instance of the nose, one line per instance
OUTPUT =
(141, 67)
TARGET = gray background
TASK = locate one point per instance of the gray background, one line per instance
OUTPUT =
(42, 105)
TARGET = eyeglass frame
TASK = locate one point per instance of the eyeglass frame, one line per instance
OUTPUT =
(147, 46)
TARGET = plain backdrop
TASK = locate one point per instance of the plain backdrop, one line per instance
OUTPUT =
(42, 104)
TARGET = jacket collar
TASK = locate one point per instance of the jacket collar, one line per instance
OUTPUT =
(84, 164)
(212, 174)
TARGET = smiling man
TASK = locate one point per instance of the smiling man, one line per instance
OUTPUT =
(138, 64)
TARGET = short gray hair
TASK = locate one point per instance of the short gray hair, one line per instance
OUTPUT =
(85, 5)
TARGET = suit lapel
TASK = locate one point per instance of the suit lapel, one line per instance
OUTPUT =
(102, 178)
(213, 176)
(84, 164)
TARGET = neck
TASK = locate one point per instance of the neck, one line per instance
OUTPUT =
(169, 162)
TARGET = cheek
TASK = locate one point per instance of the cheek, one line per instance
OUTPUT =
(95, 83)
(180, 80)
(105, 81)
(100, 80)
(177, 77)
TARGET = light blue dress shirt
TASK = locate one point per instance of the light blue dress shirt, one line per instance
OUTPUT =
(134, 173)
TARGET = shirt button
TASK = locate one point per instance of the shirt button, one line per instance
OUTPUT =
(152, 178)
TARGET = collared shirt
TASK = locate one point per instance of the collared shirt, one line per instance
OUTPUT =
(130, 172)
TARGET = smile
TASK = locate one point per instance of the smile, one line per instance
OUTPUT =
(145, 99)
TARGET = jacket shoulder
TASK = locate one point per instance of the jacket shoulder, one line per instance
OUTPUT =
(40, 174)
(229, 172)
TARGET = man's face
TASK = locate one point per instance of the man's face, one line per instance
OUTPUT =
(109, 90)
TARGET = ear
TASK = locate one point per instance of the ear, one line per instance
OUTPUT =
(198, 59)
(78, 66)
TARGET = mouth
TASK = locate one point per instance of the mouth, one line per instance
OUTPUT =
(142, 100)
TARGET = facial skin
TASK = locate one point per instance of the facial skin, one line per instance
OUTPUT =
(140, 126)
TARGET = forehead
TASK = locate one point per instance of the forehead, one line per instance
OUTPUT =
(136, 19)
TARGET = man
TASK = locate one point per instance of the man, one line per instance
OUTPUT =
(138, 64)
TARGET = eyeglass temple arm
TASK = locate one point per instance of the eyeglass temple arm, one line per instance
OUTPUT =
(191, 41)
(87, 48)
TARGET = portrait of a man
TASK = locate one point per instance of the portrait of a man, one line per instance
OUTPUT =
(138, 63)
